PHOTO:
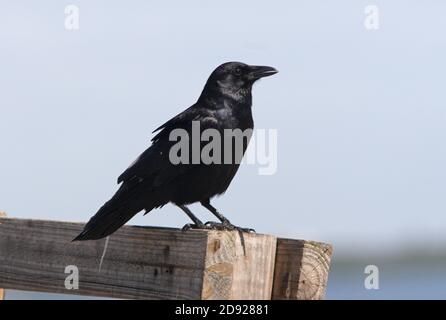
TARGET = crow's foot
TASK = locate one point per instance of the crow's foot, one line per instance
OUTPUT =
(196, 226)
(226, 225)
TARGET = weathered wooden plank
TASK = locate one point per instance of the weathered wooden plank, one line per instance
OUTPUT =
(140, 262)
(301, 270)
(234, 272)
(2, 291)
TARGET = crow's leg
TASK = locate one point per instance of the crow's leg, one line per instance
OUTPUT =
(198, 224)
(222, 218)
(225, 223)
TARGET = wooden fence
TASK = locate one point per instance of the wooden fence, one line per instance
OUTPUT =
(159, 263)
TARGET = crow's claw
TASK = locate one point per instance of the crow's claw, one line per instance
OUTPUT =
(226, 226)
(194, 226)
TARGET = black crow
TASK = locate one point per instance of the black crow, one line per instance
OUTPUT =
(153, 180)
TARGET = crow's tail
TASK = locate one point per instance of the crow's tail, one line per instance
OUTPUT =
(126, 202)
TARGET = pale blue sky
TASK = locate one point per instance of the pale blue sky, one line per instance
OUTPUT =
(360, 114)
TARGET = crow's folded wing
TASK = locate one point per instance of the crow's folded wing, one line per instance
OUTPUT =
(154, 162)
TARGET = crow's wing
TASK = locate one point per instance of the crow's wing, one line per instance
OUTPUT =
(190, 114)
(146, 181)
(155, 159)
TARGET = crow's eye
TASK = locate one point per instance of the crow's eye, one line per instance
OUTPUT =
(238, 72)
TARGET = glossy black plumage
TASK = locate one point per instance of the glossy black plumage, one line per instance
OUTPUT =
(152, 180)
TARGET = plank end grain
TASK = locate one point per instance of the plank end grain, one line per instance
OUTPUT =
(301, 271)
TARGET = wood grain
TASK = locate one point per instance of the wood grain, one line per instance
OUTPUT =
(301, 271)
(2, 291)
(139, 263)
(234, 272)
(161, 263)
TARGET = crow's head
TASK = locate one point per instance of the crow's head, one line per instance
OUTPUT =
(236, 78)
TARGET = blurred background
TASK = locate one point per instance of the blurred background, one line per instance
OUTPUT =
(360, 115)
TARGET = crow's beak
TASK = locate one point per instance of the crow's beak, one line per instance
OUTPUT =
(258, 72)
